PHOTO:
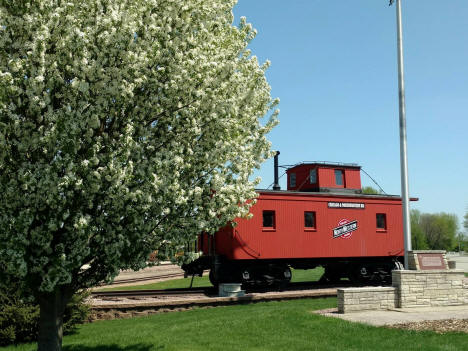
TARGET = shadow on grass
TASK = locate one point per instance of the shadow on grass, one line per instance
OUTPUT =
(114, 347)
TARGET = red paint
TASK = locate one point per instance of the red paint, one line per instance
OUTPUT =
(325, 177)
(290, 239)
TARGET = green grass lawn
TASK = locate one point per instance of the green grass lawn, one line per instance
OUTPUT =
(287, 325)
(298, 275)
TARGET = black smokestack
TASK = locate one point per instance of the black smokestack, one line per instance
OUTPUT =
(276, 185)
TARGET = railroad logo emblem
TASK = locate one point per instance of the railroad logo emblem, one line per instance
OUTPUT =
(345, 229)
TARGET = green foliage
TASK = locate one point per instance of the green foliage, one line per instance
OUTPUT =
(370, 190)
(462, 237)
(418, 238)
(465, 221)
(125, 127)
(132, 133)
(18, 318)
(19, 315)
(462, 242)
(76, 312)
(434, 231)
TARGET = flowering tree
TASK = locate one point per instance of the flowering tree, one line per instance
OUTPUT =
(125, 127)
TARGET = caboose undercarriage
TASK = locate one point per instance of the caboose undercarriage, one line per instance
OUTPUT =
(271, 272)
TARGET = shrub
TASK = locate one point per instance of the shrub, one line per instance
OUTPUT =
(18, 318)
(19, 315)
(76, 312)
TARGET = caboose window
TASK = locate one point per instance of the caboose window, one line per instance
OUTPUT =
(313, 176)
(268, 219)
(292, 180)
(381, 219)
(339, 177)
(309, 220)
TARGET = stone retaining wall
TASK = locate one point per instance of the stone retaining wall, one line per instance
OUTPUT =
(430, 288)
(371, 298)
(410, 289)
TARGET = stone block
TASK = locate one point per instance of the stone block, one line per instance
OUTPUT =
(124, 315)
(366, 300)
(424, 302)
(353, 308)
(416, 289)
(421, 278)
(139, 313)
(409, 298)
(431, 286)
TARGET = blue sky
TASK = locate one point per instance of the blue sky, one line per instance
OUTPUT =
(334, 69)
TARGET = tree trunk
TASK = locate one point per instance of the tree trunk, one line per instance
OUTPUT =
(52, 306)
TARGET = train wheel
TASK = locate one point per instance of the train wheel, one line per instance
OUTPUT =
(279, 274)
(359, 274)
(393, 266)
(267, 275)
(287, 275)
(332, 274)
(213, 279)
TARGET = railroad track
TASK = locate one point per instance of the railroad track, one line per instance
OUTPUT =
(126, 304)
(150, 293)
(303, 286)
(211, 291)
(142, 279)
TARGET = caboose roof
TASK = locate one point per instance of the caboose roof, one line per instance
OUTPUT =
(325, 194)
(331, 194)
(325, 164)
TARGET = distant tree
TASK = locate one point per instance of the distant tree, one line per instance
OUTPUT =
(462, 242)
(370, 190)
(440, 230)
(125, 127)
(463, 236)
(465, 222)
(418, 238)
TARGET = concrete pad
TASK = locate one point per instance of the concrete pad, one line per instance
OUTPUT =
(401, 315)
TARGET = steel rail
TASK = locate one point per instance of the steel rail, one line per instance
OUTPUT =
(148, 293)
(141, 279)
(211, 291)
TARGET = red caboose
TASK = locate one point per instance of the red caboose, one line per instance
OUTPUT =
(322, 219)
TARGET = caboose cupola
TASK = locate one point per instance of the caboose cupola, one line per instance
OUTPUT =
(325, 177)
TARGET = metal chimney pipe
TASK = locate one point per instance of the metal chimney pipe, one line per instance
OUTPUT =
(276, 185)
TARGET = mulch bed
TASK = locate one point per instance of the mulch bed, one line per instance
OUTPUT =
(439, 326)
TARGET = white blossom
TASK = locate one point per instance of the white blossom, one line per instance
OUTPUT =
(124, 129)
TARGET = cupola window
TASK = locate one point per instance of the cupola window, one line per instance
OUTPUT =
(292, 180)
(339, 177)
(313, 176)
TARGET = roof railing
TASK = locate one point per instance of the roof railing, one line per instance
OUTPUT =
(324, 163)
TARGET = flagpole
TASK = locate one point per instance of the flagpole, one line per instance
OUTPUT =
(403, 148)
